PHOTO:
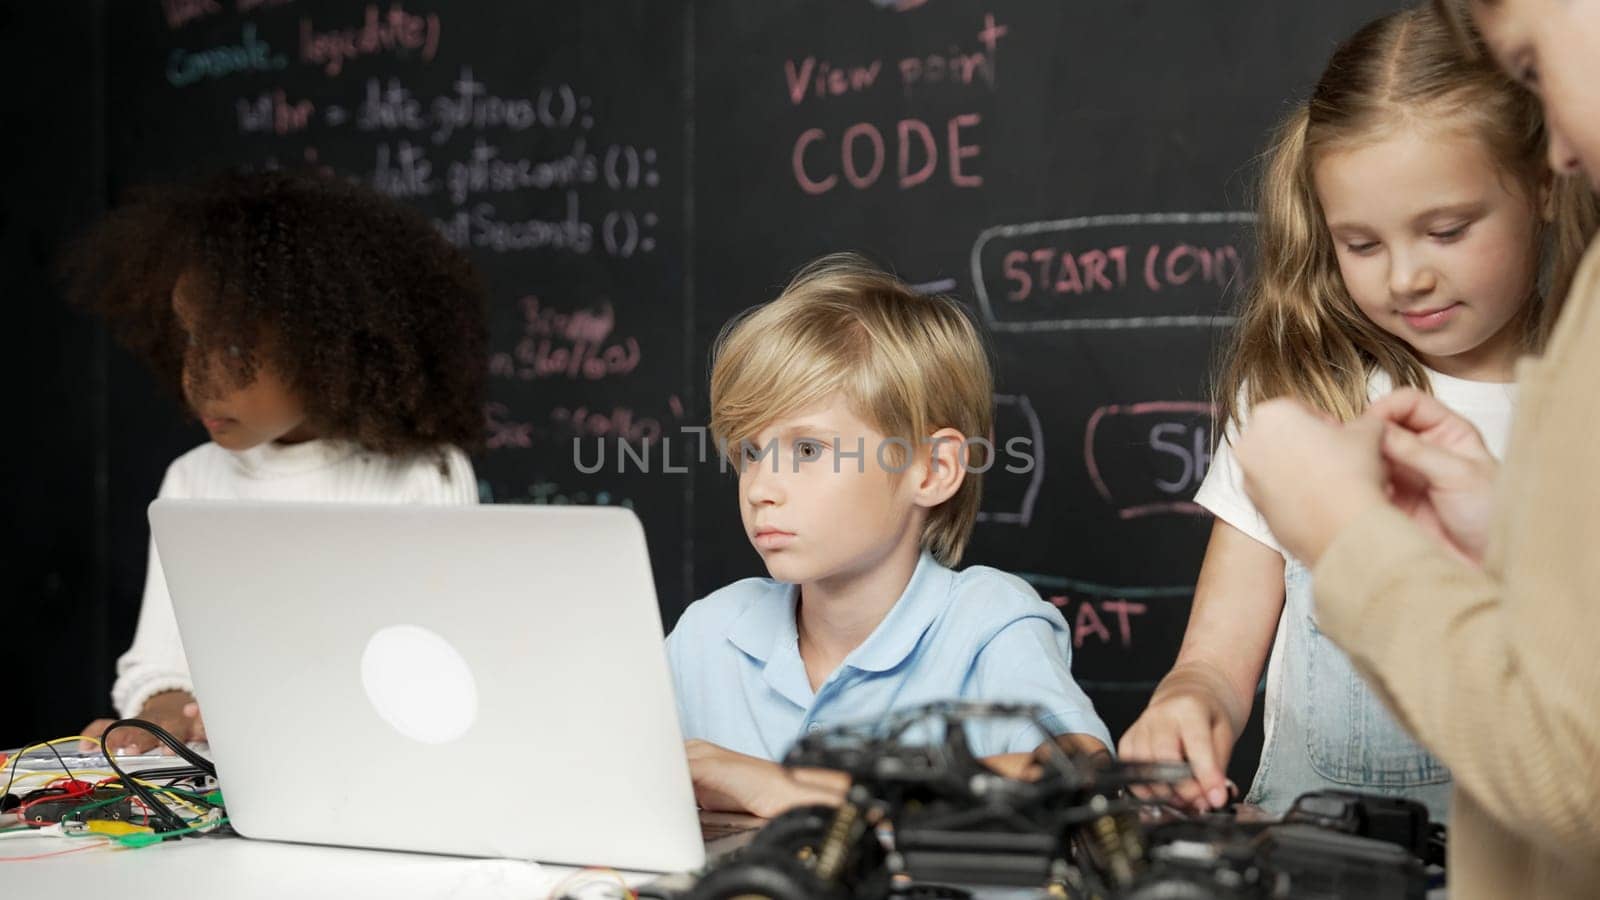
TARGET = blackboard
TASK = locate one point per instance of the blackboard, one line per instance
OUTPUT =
(628, 174)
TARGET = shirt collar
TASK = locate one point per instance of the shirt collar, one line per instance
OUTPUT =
(767, 626)
(766, 630)
(271, 459)
(923, 600)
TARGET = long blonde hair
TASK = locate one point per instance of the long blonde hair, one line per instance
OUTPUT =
(908, 364)
(1299, 333)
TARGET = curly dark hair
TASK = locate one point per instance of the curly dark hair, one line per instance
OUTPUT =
(370, 315)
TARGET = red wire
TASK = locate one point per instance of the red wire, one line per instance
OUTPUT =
(78, 789)
(72, 785)
(137, 804)
(6, 859)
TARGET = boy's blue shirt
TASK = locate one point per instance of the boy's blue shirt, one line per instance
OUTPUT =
(978, 634)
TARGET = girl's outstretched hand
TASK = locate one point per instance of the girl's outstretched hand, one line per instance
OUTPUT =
(1187, 721)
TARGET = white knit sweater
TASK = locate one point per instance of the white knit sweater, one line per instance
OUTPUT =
(315, 471)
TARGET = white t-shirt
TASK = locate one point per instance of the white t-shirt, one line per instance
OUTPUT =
(314, 471)
(1487, 405)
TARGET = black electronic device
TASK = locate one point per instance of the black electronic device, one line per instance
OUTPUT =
(949, 818)
(923, 812)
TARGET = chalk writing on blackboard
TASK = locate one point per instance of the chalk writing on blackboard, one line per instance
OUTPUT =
(250, 53)
(578, 345)
(390, 32)
(907, 151)
(544, 492)
(572, 423)
(179, 13)
(1009, 494)
(1143, 270)
(1101, 614)
(598, 191)
(1160, 450)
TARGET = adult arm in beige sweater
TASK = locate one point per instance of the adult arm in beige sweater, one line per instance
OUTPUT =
(1495, 669)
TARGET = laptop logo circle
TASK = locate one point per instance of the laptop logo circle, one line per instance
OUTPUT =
(419, 684)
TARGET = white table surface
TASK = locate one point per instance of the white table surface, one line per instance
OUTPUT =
(229, 867)
(232, 867)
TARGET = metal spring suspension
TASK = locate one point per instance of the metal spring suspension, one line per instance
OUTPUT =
(836, 847)
(1116, 838)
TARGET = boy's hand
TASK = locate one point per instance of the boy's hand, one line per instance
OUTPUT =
(726, 781)
(176, 711)
(1030, 766)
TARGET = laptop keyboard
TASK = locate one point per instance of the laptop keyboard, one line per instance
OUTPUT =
(714, 826)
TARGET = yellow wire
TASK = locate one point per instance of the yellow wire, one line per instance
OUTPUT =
(62, 740)
(16, 758)
(52, 774)
(56, 775)
(51, 743)
(170, 797)
(99, 826)
(591, 875)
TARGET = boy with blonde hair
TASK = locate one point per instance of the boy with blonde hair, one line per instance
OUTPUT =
(858, 413)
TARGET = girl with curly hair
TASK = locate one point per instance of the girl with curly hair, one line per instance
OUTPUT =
(330, 341)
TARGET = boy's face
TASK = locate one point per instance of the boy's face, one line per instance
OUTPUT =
(237, 415)
(1553, 48)
(815, 511)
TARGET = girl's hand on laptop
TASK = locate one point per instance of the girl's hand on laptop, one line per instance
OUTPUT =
(176, 711)
(725, 781)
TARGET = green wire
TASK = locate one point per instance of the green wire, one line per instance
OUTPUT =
(96, 804)
(205, 798)
(145, 840)
(74, 811)
(138, 840)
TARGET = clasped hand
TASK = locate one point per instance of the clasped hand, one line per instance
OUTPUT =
(1311, 476)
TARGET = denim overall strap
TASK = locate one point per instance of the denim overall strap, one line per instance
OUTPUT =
(1330, 730)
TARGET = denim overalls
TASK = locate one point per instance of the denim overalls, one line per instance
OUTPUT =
(1329, 729)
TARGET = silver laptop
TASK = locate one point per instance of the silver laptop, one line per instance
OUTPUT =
(483, 681)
